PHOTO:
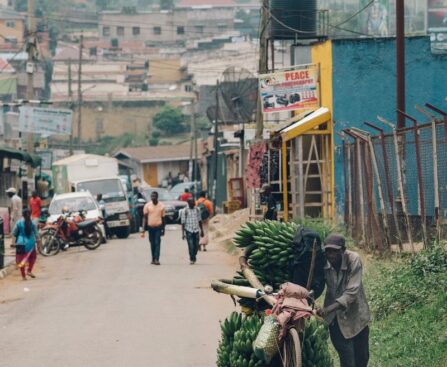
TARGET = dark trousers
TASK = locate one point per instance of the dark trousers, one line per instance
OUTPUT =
(155, 240)
(352, 352)
(193, 244)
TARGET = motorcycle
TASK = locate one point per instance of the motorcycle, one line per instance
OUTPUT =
(70, 229)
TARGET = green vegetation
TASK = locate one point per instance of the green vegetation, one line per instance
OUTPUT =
(170, 121)
(109, 144)
(408, 298)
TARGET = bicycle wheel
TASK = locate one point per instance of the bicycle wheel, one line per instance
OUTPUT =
(49, 244)
(292, 349)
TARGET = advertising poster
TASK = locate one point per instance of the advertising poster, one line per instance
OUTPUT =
(290, 90)
(437, 25)
(45, 121)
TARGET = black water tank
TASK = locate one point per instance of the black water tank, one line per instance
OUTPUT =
(287, 15)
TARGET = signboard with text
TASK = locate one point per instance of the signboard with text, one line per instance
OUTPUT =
(45, 121)
(290, 90)
(437, 25)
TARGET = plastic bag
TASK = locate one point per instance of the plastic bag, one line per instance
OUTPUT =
(266, 344)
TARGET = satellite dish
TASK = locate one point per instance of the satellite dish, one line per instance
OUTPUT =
(239, 90)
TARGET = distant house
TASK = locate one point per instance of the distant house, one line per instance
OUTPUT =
(12, 29)
(153, 164)
(188, 20)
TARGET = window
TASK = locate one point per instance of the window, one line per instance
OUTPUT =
(157, 30)
(136, 31)
(120, 31)
(198, 29)
(10, 24)
(11, 40)
(106, 31)
(180, 30)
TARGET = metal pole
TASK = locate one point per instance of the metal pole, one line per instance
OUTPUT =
(31, 44)
(400, 61)
(263, 64)
(216, 147)
(194, 164)
(420, 182)
(380, 191)
(435, 170)
(387, 181)
(81, 46)
(400, 182)
(70, 97)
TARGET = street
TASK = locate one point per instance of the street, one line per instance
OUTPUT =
(110, 307)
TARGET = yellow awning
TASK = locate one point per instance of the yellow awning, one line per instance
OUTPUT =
(300, 125)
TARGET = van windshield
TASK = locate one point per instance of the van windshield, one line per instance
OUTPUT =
(71, 204)
(111, 189)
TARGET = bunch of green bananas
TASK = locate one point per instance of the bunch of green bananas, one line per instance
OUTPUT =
(272, 250)
(235, 347)
(315, 351)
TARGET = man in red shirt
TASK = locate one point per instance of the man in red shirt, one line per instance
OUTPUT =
(186, 195)
(35, 204)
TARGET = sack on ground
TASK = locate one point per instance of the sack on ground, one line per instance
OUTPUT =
(266, 344)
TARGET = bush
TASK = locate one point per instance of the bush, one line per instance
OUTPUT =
(413, 282)
(170, 120)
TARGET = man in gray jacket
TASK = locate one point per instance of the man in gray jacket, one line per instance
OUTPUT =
(345, 307)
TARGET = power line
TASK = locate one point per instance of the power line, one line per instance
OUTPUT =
(355, 14)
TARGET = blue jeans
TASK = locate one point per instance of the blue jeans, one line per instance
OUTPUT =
(155, 240)
(193, 244)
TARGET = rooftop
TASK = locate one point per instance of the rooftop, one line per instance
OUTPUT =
(162, 153)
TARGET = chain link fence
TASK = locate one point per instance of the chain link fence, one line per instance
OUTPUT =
(396, 185)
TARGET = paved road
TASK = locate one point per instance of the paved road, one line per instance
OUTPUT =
(110, 307)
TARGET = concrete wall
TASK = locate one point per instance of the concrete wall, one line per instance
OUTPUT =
(163, 26)
(115, 119)
(364, 77)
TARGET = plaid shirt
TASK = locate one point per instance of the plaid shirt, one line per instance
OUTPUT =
(191, 218)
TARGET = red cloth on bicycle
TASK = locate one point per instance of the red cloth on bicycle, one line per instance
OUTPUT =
(291, 305)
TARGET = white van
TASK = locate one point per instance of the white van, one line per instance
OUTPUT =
(115, 199)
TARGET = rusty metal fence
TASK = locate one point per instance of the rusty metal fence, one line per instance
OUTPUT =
(396, 183)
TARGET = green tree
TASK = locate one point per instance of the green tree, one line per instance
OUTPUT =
(170, 120)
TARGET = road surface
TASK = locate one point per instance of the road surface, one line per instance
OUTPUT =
(110, 307)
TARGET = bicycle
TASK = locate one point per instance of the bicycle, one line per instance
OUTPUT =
(291, 346)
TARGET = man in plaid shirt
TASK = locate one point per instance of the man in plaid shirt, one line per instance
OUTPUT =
(191, 227)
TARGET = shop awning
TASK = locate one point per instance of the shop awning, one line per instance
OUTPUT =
(20, 155)
(299, 125)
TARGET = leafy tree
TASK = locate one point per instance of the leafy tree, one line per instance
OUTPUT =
(170, 120)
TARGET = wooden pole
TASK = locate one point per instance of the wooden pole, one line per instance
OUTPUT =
(31, 47)
(400, 183)
(81, 46)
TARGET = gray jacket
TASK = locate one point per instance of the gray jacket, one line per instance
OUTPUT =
(346, 288)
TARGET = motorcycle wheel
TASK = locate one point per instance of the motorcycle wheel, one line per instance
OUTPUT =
(94, 240)
(49, 244)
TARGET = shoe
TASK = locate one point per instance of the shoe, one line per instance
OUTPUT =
(191, 263)
(31, 275)
(157, 262)
(204, 248)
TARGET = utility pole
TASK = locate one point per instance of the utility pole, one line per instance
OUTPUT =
(263, 64)
(81, 46)
(216, 147)
(400, 61)
(70, 97)
(31, 49)
(194, 127)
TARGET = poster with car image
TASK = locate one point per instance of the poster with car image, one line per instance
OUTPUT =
(437, 25)
(293, 89)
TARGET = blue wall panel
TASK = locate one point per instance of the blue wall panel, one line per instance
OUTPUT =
(364, 78)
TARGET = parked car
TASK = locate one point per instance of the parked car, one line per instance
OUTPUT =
(172, 205)
(75, 202)
(193, 187)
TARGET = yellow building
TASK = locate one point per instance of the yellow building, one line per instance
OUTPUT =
(12, 29)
